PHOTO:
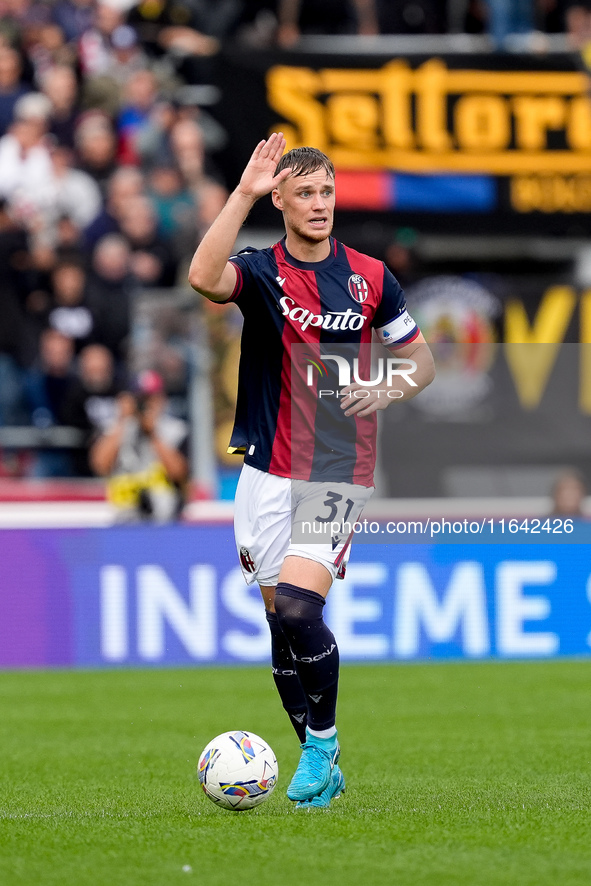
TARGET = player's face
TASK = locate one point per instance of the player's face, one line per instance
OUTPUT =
(307, 203)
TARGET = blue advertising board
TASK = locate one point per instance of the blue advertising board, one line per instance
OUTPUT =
(151, 596)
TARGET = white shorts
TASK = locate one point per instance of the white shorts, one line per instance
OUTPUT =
(275, 517)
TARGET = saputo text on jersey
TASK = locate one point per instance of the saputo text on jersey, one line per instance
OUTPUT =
(332, 320)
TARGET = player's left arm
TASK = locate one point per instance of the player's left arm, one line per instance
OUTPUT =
(417, 370)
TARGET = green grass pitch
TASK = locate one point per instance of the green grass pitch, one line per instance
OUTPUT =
(458, 775)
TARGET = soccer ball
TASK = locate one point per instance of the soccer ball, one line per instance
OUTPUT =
(237, 770)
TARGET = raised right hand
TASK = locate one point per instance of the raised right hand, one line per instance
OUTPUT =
(259, 176)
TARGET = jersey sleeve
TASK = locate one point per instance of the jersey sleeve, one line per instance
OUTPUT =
(243, 261)
(392, 322)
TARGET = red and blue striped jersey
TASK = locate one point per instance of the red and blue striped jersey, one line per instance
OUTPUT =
(287, 302)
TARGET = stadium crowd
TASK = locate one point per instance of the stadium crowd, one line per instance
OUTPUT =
(106, 173)
(287, 20)
(106, 183)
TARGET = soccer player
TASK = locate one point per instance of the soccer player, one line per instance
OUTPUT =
(311, 290)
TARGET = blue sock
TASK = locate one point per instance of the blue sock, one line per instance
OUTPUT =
(314, 650)
(286, 678)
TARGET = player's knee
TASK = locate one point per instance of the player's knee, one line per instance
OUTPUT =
(297, 608)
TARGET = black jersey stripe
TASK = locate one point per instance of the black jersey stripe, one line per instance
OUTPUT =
(259, 380)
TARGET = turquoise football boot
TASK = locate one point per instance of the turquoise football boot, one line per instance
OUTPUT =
(336, 787)
(319, 757)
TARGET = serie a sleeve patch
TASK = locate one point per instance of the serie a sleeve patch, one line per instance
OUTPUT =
(401, 329)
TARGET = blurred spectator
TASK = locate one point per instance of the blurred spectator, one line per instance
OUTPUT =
(22, 19)
(46, 385)
(68, 238)
(71, 314)
(175, 207)
(173, 25)
(144, 455)
(186, 141)
(49, 379)
(211, 17)
(568, 494)
(213, 133)
(96, 147)
(47, 48)
(90, 403)
(578, 25)
(128, 56)
(12, 85)
(508, 18)
(152, 258)
(297, 17)
(254, 23)
(60, 86)
(172, 29)
(124, 184)
(68, 193)
(25, 164)
(109, 54)
(153, 139)
(173, 365)
(517, 25)
(95, 49)
(139, 99)
(111, 288)
(74, 17)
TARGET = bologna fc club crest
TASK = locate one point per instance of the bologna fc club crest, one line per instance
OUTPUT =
(358, 288)
(246, 560)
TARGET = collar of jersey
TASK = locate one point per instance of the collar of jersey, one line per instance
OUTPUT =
(310, 265)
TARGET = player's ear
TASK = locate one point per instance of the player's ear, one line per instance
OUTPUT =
(276, 198)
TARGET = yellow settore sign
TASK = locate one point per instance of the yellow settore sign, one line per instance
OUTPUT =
(434, 119)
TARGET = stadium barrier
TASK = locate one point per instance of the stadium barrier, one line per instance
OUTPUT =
(154, 596)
